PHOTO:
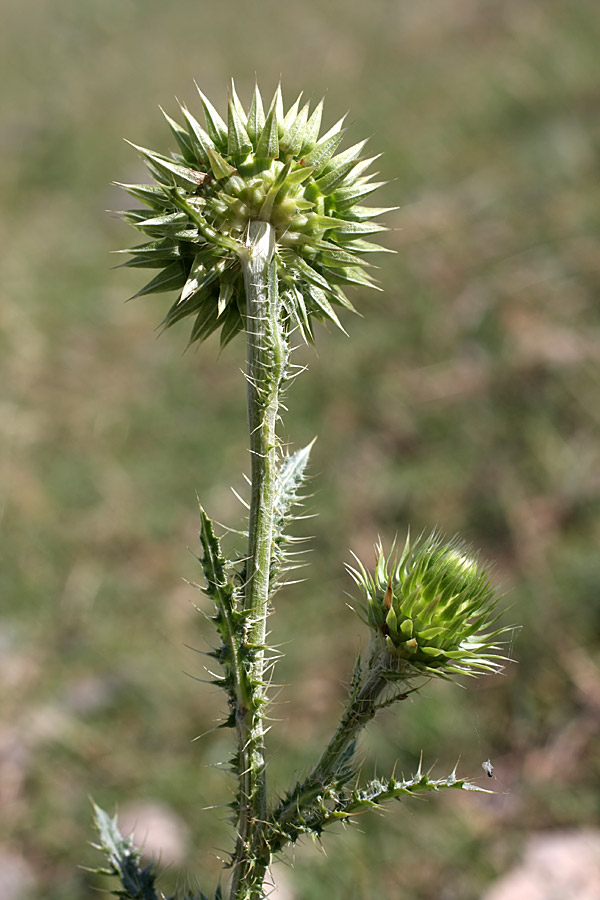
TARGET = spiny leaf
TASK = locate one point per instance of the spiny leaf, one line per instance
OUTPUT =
(195, 277)
(319, 298)
(323, 151)
(215, 125)
(295, 307)
(349, 155)
(167, 219)
(290, 478)
(292, 112)
(341, 804)
(150, 194)
(294, 134)
(335, 129)
(232, 325)
(123, 859)
(220, 167)
(238, 105)
(148, 262)
(181, 309)
(203, 140)
(238, 142)
(310, 274)
(362, 246)
(268, 143)
(205, 323)
(277, 104)
(213, 564)
(181, 136)
(153, 248)
(346, 197)
(364, 213)
(313, 126)
(256, 117)
(349, 275)
(336, 257)
(170, 279)
(226, 291)
(299, 175)
(182, 175)
(361, 167)
(350, 229)
(335, 175)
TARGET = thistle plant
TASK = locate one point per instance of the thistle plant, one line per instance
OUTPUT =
(257, 223)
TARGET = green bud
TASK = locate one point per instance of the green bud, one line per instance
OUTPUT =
(251, 167)
(432, 607)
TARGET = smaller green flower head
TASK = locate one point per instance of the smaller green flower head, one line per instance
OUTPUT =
(432, 607)
(271, 167)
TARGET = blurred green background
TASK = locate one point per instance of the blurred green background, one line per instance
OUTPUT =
(467, 398)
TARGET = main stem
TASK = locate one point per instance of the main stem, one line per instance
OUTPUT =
(266, 360)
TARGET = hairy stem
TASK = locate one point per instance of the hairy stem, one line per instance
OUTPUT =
(266, 360)
(334, 763)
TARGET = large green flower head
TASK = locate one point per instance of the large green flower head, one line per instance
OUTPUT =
(431, 608)
(269, 166)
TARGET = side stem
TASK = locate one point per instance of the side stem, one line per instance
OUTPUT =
(266, 360)
(333, 765)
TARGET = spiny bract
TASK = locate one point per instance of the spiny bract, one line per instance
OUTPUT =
(432, 607)
(273, 168)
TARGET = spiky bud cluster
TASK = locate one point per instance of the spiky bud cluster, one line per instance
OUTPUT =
(273, 168)
(432, 608)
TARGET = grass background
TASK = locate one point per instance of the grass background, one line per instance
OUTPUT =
(467, 398)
